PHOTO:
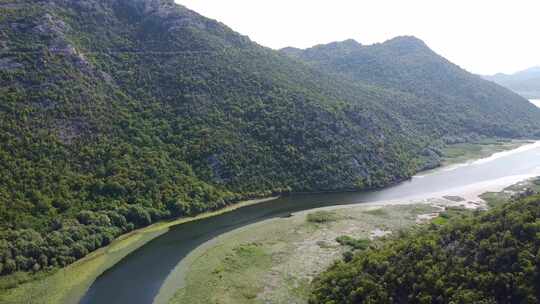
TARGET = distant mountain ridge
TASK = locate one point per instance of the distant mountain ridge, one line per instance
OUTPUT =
(525, 83)
(408, 65)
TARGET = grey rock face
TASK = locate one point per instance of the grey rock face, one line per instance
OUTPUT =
(50, 26)
(69, 130)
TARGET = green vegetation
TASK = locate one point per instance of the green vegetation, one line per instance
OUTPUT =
(233, 276)
(377, 212)
(462, 152)
(284, 255)
(513, 192)
(355, 244)
(440, 220)
(489, 257)
(322, 217)
(438, 90)
(451, 213)
(242, 257)
(118, 114)
(69, 284)
(102, 133)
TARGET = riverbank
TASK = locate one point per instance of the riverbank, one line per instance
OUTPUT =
(464, 152)
(69, 284)
(274, 261)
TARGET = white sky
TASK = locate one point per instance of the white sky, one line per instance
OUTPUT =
(482, 36)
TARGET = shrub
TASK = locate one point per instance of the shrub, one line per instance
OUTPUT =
(358, 244)
(322, 217)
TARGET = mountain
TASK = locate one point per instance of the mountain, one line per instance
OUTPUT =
(490, 257)
(115, 114)
(526, 82)
(440, 90)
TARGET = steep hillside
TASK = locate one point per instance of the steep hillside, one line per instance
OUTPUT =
(486, 258)
(443, 91)
(526, 83)
(117, 113)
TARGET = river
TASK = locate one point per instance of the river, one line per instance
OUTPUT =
(138, 277)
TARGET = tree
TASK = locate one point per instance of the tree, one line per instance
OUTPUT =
(9, 266)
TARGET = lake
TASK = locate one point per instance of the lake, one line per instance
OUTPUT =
(139, 276)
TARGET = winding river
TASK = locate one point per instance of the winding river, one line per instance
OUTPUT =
(138, 277)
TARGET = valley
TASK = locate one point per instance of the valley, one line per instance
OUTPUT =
(282, 256)
(149, 153)
(70, 284)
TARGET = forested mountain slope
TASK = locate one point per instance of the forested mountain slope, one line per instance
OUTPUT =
(526, 82)
(486, 258)
(443, 91)
(117, 113)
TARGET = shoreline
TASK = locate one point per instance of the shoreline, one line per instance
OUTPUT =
(493, 150)
(469, 197)
(314, 249)
(70, 284)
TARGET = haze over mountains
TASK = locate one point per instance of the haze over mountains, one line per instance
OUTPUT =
(117, 113)
(525, 83)
(442, 91)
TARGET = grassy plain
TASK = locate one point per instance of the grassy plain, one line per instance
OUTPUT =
(460, 153)
(274, 261)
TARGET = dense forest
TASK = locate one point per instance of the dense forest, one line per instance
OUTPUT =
(442, 91)
(491, 257)
(115, 114)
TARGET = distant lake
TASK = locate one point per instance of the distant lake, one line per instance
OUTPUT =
(536, 102)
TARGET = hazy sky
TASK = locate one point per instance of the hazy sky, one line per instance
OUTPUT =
(482, 36)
